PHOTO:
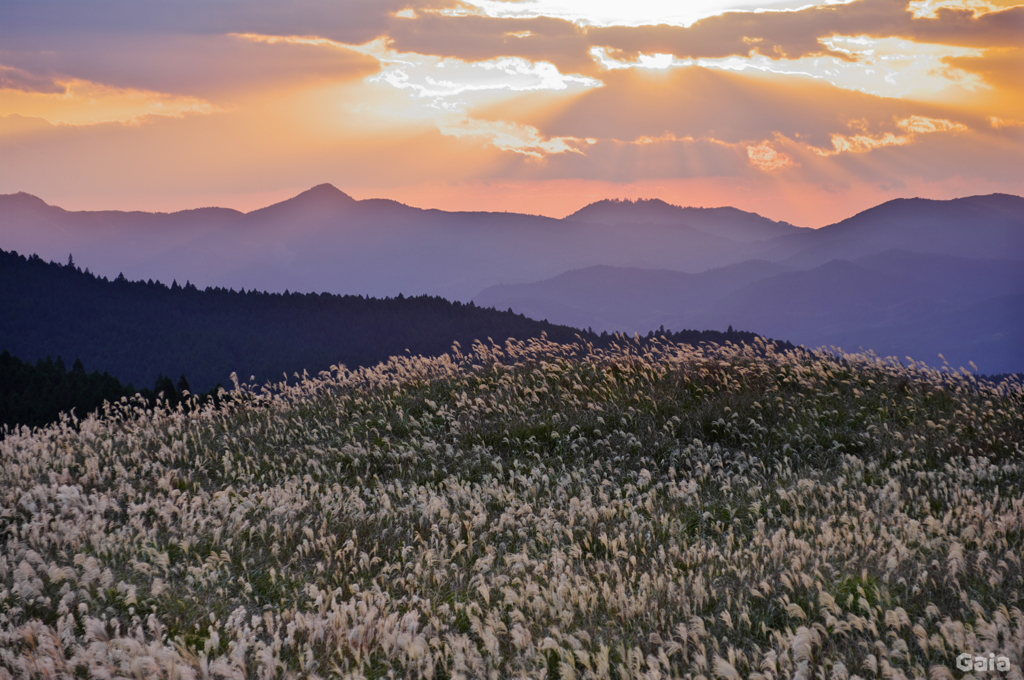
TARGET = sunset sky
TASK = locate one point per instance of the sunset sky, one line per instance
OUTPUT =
(799, 110)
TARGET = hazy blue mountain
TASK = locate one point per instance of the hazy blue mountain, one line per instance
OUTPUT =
(140, 244)
(977, 226)
(322, 201)
(894, 302)
(989, 333)
(324, 240)
(731, 223)
(623, 299)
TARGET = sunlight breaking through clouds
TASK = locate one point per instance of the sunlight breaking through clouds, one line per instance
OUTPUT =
(634, 13)
(443, 77)
(912, 126)
(894, 67)
(438, 88)
(766, 158)
(885, 67)
(657, 61)
(430, 76)
(440, 83)
(521, 139)
(928, 9)
(423, 100)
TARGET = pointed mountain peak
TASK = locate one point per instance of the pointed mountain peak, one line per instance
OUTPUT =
(327, 191)
(24, 201)
(322, 195)
(323, 198)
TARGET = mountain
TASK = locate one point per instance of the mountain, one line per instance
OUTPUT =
(324, 240)
(894, 302)
(708, 268)
(730, 223)
(623, 299)
(323, 200)
(977, 226)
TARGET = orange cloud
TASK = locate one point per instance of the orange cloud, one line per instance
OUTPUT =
(439, 90)
(764, 157)
(74, 101)
(925, 125)
(521, 139)
(20, 80)
(913, 126)
(998, 123)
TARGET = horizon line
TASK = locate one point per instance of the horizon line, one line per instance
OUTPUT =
(610, 199)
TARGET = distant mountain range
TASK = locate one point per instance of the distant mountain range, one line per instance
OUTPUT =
(895, 303)
(908, 277)
(324, 240)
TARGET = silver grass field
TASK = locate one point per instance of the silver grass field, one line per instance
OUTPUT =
(529, 510)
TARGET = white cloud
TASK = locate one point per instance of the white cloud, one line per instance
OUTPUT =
(632, 13)
(912, 126)
(658, 60)
(885, 67)
(927, 9)
(430, 76)
(507, 136)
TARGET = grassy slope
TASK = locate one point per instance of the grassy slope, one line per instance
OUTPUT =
(525, 510)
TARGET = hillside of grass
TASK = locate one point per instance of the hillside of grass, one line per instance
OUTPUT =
(528, 510)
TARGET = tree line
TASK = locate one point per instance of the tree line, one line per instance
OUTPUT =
(139, 332)
(37, 394)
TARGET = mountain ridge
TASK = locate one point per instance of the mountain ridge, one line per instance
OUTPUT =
(724, 221)
(322, 239)
(328, 191)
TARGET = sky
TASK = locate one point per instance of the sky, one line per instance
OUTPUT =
(806, 111)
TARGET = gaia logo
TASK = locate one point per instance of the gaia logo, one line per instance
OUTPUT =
(966, 662)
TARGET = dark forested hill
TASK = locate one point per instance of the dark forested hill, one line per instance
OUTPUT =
(139, 331)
